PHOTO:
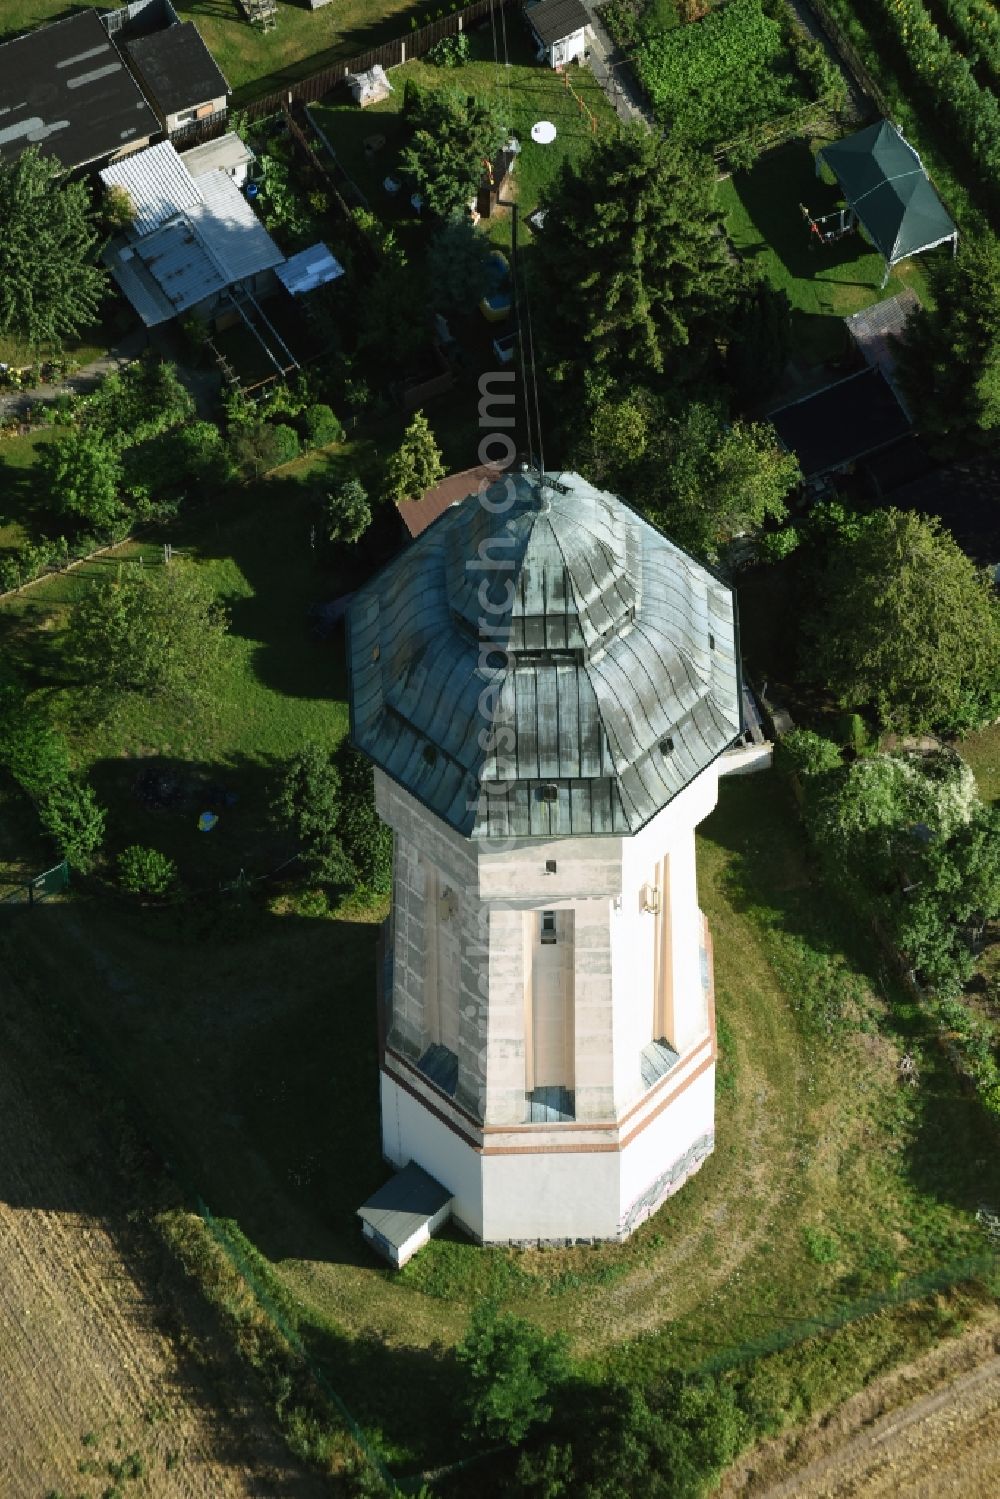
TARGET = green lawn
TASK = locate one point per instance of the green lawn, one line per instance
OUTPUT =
(526, 92)
(19, 501)
(824, 284)
(982, 751)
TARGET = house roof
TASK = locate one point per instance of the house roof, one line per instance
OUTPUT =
(612, 680)
(226, 154)
(843, 422)
(192, 237)
(884, 181)
(308, 269)
(65, 88)
(418, 514)
(552, 20)
(177, 67)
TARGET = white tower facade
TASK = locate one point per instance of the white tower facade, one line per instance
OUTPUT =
(545, 685)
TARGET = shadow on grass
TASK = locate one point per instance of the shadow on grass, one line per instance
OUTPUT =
(951, 1154)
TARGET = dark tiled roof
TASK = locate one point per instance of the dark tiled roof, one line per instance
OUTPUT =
(66, 89)
(177, 67)
(611, 685)
(554, 19)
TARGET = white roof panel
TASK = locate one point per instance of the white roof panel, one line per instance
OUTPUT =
(225, 154)
(309, 269)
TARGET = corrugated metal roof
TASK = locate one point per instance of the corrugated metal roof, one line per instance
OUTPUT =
(230, 229)
(158, 183)
(309, 269)
(556, 667)
(180, 265)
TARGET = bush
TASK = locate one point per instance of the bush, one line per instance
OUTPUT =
(145, 871)
(450, 51)
(284, 444)
(322, 426)
(512, 1369)
(801, 752)
(364, 837)
(346, 512)
(74, 820)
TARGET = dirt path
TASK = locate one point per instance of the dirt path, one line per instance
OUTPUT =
(885, 1444)
(94, 1386)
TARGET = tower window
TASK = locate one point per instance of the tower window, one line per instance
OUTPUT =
(548, 927)
(549, 792)
(667, 746)
(550, 866)
(711, 642)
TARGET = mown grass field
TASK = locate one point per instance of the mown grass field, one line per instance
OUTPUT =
(823, 283)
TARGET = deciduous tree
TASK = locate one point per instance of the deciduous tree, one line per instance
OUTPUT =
(157, 631)
(904, 624)
(82, 476)
(453, 135)
(512, 1370)
(50, 283)
(346, 512)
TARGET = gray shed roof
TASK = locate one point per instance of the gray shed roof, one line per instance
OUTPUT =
(612, 680)
(552, 20)
(406, 1202)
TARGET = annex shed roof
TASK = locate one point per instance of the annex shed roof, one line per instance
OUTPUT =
(552, 20)
(884, 182)
(308, 269)
(227, 154)
(610, 678)
(177, 67)
(65, 88)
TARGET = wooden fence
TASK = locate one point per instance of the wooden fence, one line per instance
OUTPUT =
(389, 55)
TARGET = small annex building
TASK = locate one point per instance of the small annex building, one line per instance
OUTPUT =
(844, 422)
(889, 193)
(548, 688)
(195, 244)
(227, 153)
(65, 88)
(180, 77)
(559, 28)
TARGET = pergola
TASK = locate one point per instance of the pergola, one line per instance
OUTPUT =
(888, 192)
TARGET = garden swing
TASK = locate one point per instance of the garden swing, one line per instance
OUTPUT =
(827, 228)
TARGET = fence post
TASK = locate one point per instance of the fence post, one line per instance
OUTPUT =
(402, 49)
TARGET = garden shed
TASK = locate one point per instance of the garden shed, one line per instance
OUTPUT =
(842, 423)
(889, 193)
(560, 30)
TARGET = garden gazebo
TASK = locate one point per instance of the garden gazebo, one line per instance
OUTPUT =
(888, 193)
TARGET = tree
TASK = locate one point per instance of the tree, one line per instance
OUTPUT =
(512, 1370)
(760, 339)
(949, 359)
(139, 402)
(157, 631)
(145, 871)
(82, 474)
(630, 262)
(256, 447)
(953, 890)
(453, 136)
(364, 837)
(458, 266)
(346, 512)
(31, 750)
(50, 283)
(306, 801)
(393, 324)
(904, 624)
(119, 209)
(416, 464)
(70, 814)
(711, 480)
(322, 426)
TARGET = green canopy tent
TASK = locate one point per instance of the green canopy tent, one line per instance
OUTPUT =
(887, 190)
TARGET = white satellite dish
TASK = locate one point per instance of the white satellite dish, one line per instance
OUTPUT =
(544, 132)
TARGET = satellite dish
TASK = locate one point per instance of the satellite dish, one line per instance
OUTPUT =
(544, 132)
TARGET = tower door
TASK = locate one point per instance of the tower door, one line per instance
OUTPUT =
(551, 1000)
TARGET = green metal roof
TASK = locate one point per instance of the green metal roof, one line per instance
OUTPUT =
(884, 181)
(611, 683)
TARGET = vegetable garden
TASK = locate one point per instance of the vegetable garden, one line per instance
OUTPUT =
(743, 65)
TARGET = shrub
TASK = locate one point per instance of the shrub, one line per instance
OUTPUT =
(512, 1369)
(145, 871)
(322, 426)
(450, 51)
(74, 820)
(284, 444)
(346, 512)
(805, 753)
